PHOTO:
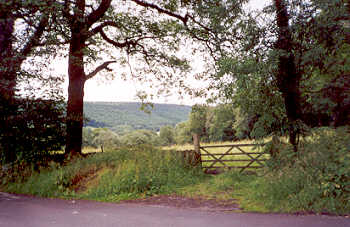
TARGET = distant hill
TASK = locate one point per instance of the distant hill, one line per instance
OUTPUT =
(126, 116)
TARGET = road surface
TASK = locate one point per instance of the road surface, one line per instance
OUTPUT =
(18, 211)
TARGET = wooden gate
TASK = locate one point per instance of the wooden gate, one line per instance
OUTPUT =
(232, 156)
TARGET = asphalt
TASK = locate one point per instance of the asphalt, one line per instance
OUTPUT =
(26, 211)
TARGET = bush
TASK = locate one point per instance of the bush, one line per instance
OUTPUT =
(317, 178)
(35, 129)
(140, 137)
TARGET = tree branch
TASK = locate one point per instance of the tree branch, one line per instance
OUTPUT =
(98, 13)
(99, 28)
(35, 38)
(114, 43)
(184, 19)
(66, 12)
(98, 69)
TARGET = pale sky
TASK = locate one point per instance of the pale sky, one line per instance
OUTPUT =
(119, 90)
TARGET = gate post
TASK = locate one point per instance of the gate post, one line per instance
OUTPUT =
(197, 153)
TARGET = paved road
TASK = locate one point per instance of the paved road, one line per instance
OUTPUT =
(38, 212)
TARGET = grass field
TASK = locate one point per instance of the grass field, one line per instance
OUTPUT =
(85, 150)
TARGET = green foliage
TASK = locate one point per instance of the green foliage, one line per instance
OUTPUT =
(167, 135)
(147, 172)
(121, 174)
(315, 179)
(213, 124)
(198, 117)
(247, 72)
(37, 129)
(183, 133)
(140, 137)
(220, 127)
(97, 137)
(125, 117)
(101, 137)
(31, 113)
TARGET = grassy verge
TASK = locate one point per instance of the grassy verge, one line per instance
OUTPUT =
(314, 180)
(109, 176)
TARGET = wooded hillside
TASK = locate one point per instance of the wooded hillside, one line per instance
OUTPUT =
(125, 116)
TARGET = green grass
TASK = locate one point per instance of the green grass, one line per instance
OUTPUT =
(127, 174)
(111, 176)
(316, 180)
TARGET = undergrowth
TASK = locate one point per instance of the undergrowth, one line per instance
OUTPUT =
(110, 176)
(315, 179)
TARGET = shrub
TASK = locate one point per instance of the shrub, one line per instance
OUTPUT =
(33, 131)
(317, 178)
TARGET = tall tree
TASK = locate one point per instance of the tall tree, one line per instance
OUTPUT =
(198, 119)
(33, 19)
(146, 30)
(284, 61)
(288, 79)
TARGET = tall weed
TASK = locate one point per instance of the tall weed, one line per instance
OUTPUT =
(146, 172)
(316, 179)
(122, 174)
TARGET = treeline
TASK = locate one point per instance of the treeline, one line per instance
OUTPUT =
(122, 117)
(223, 122)
(106, 138)
(214, 124)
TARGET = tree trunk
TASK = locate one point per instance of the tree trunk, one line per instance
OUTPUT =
(288, 78)
(75, 95)
(7, 73)
(7, 88)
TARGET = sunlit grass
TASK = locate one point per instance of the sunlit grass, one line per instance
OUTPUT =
(87, 150)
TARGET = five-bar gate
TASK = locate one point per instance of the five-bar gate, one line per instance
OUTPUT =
(235, 156)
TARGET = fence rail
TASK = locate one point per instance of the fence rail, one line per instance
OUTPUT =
(221, 158)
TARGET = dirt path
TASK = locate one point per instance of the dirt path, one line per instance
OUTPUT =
(188, 203)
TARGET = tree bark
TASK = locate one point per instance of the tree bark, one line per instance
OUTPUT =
(7, 86)
(76, 76)
(288, 78)
(79, 27)
(7, 74)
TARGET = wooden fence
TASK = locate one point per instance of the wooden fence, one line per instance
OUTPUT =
(226, 156)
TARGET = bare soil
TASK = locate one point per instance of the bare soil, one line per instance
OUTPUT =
(188, 203)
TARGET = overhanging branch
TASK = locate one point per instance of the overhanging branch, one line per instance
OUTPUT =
(100, 27)
(34, 40)
(114, 43)
(184, 19)
(98, 69)
(99, 12)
